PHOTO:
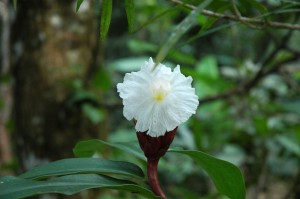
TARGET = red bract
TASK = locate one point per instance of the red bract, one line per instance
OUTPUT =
(154, 148)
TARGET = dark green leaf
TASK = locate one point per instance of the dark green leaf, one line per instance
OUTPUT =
(95, 114)
(261, 8)
(209, 31)
(82, 95)
(157, 17)
(13, 187)
(83, 165)
(78, 4)
(102, 79)
(130, 12)
(227, 178)
(180, 29)
(88, 148)
(15, 4)
(106, 12)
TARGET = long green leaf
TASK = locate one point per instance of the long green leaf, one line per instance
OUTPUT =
(106, 12)
(130, 12)
(227, 178)
(83, 165)
(180, 29)
(89, 147)
(15, 4)
(14, 187)
(78, 4)
(209, 31)
(151, 20)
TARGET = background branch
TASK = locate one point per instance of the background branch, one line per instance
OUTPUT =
(259, 23)
(248, 85)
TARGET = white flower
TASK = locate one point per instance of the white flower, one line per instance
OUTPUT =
(158, 98)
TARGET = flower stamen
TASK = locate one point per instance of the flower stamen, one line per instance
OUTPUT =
(160, 89)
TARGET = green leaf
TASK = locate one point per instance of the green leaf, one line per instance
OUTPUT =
(82, 95)
(227, 178)
(167, 11)
(209, 31)
(289, 143)
(90, 147)
(78, 4)
(261, 125)
(128, 64)
(83, 165)
(95, 114)
(180, 29)
(102, 79)
(261, 8)
(15, 4)
(208, 67)
(206, 77)
(14, 187)
(106, 13)
(130, 12)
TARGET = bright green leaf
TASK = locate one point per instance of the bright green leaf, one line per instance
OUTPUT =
(78, 4)
(14, 188)
(206, 77)
(261, 125)
(83, 165)
(130, 12)
(227, 178)
(208, 67)
(106, 12)
(90, 147)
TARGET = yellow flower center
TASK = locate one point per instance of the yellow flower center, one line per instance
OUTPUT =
(160, 89)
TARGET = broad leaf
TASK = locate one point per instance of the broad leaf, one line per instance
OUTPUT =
(14, 187)
(83, 165)
(130, 12)
(90, 147)
(227, 178)
(106, 11)
(78, 4)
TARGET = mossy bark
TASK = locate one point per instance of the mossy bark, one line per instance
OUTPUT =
(52, 47)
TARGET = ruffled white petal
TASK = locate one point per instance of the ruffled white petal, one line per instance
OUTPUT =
(158, 98)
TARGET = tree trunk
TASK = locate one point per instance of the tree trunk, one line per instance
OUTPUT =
(52, 47)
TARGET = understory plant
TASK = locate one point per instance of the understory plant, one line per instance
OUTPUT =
(157, 100)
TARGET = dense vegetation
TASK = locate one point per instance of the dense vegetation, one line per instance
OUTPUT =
(243, 56)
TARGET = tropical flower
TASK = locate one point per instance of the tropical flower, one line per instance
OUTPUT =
(157, 98)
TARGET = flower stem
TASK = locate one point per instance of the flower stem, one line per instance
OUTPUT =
(153, 179)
